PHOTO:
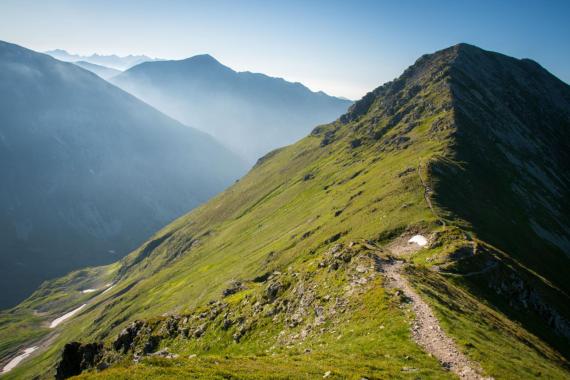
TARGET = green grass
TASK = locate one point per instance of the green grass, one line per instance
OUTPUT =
(504, 349)
(277, 218)
(372, 341)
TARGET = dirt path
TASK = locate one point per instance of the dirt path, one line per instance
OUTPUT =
(426, 330)
(427, 194)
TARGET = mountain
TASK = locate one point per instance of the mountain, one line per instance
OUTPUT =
(102, 71)
(250, 113)
(420, 235)
(111, 61)
(88, 171)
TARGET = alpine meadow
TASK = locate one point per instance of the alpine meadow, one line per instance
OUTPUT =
(167, 216)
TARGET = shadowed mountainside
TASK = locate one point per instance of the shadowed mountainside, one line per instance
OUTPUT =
(102, 71)
(251, 113)
(88, 171)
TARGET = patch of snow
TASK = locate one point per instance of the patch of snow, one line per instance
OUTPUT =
(14, 362)
(66, 316)
(110, 286)
(419, 240)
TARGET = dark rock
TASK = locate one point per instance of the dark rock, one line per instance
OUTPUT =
(126, 337)
(235, 287)
(355, 143)
(151, 344)
(406, 172)
(200, 330)
(77, 357)
(227, 323)
(262, 278)
(333, 238)
(272, 291)
(327, 139)
(241, 331)
(172, 326)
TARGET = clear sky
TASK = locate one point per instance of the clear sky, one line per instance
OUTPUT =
(344, 48)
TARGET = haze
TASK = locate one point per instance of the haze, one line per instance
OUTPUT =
(344, 50)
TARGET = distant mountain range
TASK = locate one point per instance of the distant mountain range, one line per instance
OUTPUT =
(102, 71)
(251, 113)
(88, 171)
(112, 61)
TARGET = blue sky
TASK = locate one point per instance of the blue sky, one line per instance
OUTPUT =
(345, 48)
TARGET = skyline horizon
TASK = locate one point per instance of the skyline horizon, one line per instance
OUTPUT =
(343, 49)
(277, 76)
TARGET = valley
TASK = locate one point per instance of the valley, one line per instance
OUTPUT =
(394, 242)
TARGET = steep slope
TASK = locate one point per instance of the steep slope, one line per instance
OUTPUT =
(344, 255)
(88, 171)
(513, 143)
(112, 61)
(102, 71)
(251, 113)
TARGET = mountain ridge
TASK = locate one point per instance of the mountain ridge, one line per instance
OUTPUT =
(102, 71)
(286, 272)
(113, 61)
(252, 113)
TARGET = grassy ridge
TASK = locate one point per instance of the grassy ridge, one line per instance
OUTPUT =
(352, 181)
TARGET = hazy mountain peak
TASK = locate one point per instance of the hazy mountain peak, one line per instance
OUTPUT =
(89, 166)
(202, 58)
(252, 113)
(113, 61)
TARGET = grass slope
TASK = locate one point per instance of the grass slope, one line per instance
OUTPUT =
(305, 233)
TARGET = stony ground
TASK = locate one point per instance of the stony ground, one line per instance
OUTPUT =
(426, 329)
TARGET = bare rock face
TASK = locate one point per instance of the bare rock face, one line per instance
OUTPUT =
(77, 357)
(126, 338)
(523, 296)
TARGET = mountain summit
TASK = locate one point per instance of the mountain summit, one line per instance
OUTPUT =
(251, 113)
(421, 234)
(509, 134)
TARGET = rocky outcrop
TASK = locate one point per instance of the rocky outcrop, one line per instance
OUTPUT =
(302, 303)
(126, 338)
(235, 286)
(523, 296)
(77, 357)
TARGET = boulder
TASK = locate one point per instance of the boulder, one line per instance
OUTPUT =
(77, 357)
